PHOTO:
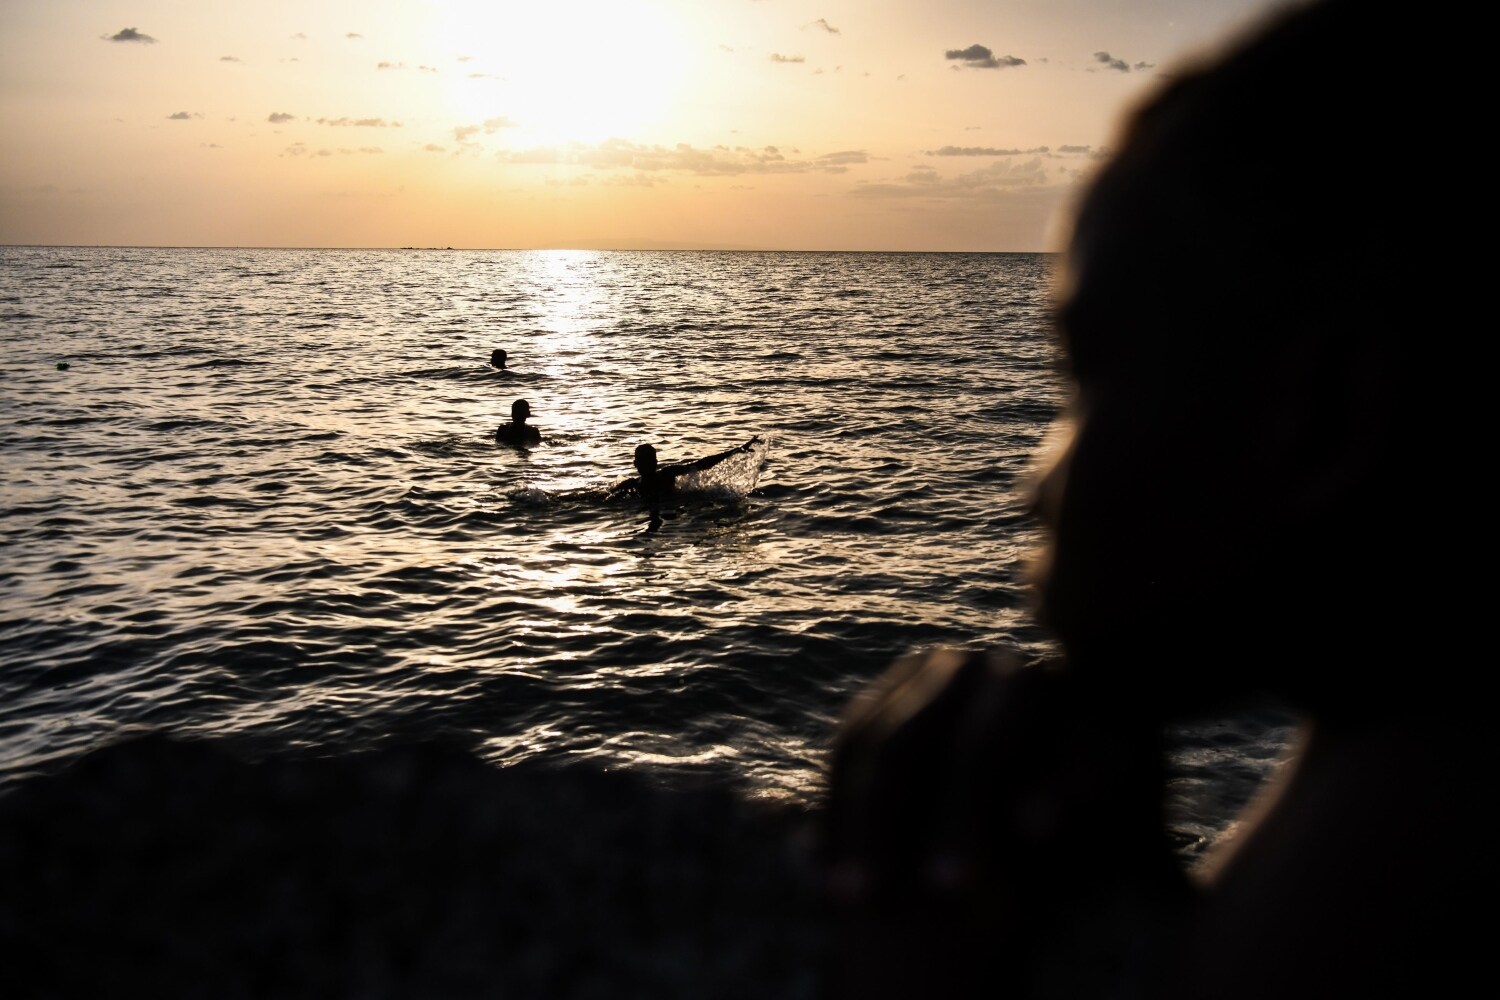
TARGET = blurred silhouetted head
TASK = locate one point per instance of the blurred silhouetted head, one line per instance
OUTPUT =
(497, 358)
(520, 410)
(1238, 332)
(645, 459)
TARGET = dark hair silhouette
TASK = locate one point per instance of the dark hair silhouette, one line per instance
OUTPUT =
(1250, 373)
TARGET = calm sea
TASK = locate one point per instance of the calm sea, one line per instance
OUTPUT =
(263, 502)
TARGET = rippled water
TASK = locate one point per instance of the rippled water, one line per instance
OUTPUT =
(264, 501)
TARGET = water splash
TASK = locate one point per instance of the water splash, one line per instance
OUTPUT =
(734, 475)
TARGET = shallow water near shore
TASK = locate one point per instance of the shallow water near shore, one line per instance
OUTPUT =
(263, 504)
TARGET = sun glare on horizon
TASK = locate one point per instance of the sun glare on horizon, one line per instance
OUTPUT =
(570, 71)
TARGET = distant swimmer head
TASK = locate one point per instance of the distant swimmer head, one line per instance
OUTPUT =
(497, 358)
(645, 458)
(520, 410)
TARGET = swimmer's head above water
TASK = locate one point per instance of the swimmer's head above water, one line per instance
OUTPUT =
(497, 358)
(518, 431)
(645, 459)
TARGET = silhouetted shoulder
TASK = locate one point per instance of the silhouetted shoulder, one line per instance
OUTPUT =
(517, 434)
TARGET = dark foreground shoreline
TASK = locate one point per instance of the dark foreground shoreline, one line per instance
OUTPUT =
(173, 869)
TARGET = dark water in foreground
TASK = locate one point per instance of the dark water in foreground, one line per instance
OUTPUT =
(264, 503)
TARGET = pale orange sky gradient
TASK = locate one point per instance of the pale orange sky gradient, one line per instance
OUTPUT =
(769, 124)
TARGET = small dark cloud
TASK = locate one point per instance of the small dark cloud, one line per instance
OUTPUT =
(210, 145)
(299, 35)
(426, 69)
(353, 34)
(982, 57)
(777, 57)
(1075, 150)
(229, 59)
(845, 156)
(726, 48)
(1110, 61)
(433, 147)
(278, 117)
(183, 116)
(1144, 66)
(822, 23)
(463, 58)
(130, 35)
(390, 65)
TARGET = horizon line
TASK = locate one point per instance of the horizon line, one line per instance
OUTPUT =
(666, 248)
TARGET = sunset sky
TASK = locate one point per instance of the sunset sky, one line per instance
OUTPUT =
(771, 124)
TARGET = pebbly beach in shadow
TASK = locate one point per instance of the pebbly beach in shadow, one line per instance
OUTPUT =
(175, 869)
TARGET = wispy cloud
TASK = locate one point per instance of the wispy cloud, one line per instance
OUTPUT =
(360, 122)
(1119, 65)
(301, 149)
(229, 59)
(279, 117)
(986, 151)
(390, 65)
(777, 57)
(717, 161)
(182, 116)
(999, 177)
(299, 35)
(821, 23)
(632, 180)
(982, 57)
(844, 157)
(130, 35)
(463, 133)
(433, 147)
(353, 35)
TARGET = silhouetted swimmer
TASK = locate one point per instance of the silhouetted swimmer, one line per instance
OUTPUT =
(656, 482)
(518, 432)
(497, 359)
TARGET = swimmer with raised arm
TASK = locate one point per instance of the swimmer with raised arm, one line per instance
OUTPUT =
(654, 482)
(518, 433)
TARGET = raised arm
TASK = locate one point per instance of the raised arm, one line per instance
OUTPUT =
(700, 464)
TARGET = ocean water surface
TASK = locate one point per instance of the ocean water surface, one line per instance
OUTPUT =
(263, 502)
